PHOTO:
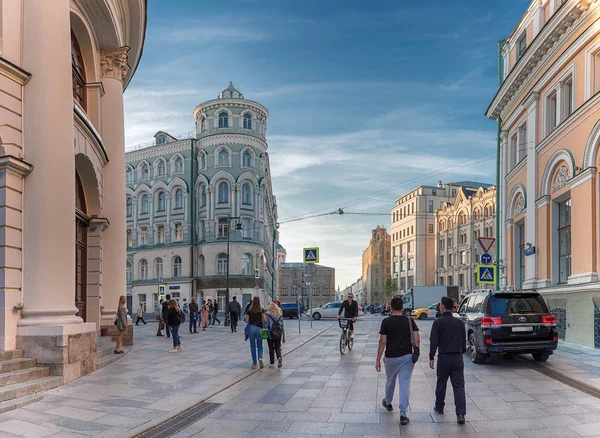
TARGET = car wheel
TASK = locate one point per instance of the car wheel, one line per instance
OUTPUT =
(422, 316)
(317, 316)
(407, 313)
(541, 356)
(476, 356)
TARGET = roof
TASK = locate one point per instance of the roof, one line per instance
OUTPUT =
(471, 184)
(231, 93)
(300, 266)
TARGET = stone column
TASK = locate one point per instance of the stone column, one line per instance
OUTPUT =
(135, 212)
(532, 105)
(544, 246)
(94, 270)
(113, 68)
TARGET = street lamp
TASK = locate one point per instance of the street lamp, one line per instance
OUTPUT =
(238, 227)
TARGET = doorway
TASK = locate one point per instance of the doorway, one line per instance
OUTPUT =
(82, 223)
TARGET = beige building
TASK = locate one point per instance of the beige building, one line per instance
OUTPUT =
(458, 226)
(413, 233)
(63, 68)
(376, 267)
(549, 107)
(293, 281)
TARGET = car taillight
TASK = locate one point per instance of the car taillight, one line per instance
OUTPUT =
(555, 339)
(487, 321)
(549, 319)
(488, 341)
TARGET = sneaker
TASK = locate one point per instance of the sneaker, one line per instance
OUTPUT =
(179, 347)
(460, 419)
(404, 420)
(389, 408)
(279, 363)
(260, 362)
(174, 350)
(438, 411)
(253, 366)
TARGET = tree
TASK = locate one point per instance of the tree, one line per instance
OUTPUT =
(391, 289)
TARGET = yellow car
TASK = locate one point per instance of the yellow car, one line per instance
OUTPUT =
(425, 312)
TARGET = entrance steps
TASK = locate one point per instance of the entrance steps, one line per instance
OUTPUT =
(105, 351)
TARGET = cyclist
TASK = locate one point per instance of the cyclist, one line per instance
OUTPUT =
(350, 309)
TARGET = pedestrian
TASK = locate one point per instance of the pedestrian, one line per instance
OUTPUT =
(399, 336)
(234, 310)
(174, 321)
(256, 317)
(121, 323)
(204, 315)
(140, 315)
(448, 337)
(215, 312)
(209, 306)
(159, 317)
(193, 315)
(276, 334)
(185, 308)
(165, 314)
(248, 304)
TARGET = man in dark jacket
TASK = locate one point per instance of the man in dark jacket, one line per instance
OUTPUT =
(234, 311)
(165, 314)
(215, 311)
(193, 315)
(449, 338)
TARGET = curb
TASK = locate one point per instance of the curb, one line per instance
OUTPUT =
(168, 416)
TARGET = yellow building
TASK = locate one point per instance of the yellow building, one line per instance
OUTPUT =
(549, 107)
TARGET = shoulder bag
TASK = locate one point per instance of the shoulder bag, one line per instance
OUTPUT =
(265, 332)
(415, 350)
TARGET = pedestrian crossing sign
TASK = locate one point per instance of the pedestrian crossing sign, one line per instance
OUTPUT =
(311, 255)
(161, 290)
(486, 274)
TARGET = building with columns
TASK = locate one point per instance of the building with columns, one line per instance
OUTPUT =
(376, 266)
(458, 226)
(64, 66)
(548, 107)
(184, 196)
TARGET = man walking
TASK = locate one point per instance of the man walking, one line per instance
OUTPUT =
(234, 311)
(165, 314)
(449, 338)
(159, 317)
(140, 315)
(215, 311)
(194, 315)
(397, 337)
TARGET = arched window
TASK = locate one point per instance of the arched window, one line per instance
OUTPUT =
(223, 120)
(178, 165)
(247, 121)
(77, 72)
(202, 124)
(161, 168)
(176, 266)
(129, 207)
(246, 264)
(179, 198)
(143, 269)
(160, 205)
(201, 266)
(200, 161)
(246, 159)
(222, 264)
(223, 158)
(144, 171)
(223, 193)
(158, 268)
(144, 209)
(129, 175)
(246, 194)
(128, 270)
(202, 195)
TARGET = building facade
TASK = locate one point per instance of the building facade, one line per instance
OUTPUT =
(548, 107)
(187, 198)
(376, 266)
(458, 226)
(293, 284)
(63, 68)
(413, 233)
(356, 289)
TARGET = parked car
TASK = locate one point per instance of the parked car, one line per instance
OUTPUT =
(514, 323)
(290, 310)
(329, 310)
(432, 311)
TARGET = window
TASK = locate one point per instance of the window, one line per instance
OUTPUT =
(551, 108)
(158, 268)
(201, 266)
(129, 175)
(142, 302)
(453, 192)
(222, 264)
(442, 262)
(411, 263)
(522, 153)
(223, 120)
(178, 233)
(223, 227)
(160, 234)
(564, 241)
(246, 228)
(521, 45)
(129, 207)
(143, 236)
(223, 193)
(247, 121)
(568, 94)
(412, 229)
(203, 196)
(325, 291)
(430, 206)
(176, 266)
(178, 166)
(144, 209)
(463, 257)
(246, 264)
(178, 198)
(513, 152)
(201, 161)
(411, 246)
(284, 291)
(161, 140)
(246, 159)
(315, 291)
(77, 72)
(246, 194)
(450, 280)
(143, 269)
(461, 280)
(434, 192)
(160, 205)
(144, 171)
(129, 238)
(128, 270)
(223, 158)
(441, 281)
(161, 168)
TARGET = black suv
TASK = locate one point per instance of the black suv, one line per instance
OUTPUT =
(508, 322)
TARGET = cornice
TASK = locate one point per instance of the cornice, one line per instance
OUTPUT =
(87, 127)
(241, 139)
(15, 165)
(14, 72)
(231, 103)
(158, 150)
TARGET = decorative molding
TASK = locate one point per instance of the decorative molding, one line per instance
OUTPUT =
(101, 223)
(583, 176)
(561, 179)
(542, 201)
(558, 156)
(519, 207)
(227, 139)
(587, 277)
(15, 165)
(113, 63)
(14, 72)
(88, 129)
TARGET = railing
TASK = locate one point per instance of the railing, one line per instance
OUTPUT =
(186, 136)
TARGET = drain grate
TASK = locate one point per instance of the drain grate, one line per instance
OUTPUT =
(181, 421)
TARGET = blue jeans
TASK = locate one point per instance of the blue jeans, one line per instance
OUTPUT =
(175, 333)
(401, 368)
(256, 342)
(214, 318)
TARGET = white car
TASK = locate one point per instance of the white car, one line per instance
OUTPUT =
(329, 310)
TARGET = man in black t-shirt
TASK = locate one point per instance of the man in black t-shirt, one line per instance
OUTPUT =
(395, 337)
(350, 309)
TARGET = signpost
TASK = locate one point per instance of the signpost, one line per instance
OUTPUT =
(310, 255)
(161, 290)
(486, 274)
(486, 243)
(486, 259)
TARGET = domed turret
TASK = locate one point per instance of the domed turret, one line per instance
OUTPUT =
(230, 93)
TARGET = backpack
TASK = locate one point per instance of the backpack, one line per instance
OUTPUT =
(181, 316)
(276, 329)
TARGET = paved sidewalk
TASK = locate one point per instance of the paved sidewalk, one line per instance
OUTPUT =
(145, 386)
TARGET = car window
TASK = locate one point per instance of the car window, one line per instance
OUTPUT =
(478, 303)
(433, 306)
(471, 304)
(517, 303)
(336, 305)
(463, 305)
(326, 306)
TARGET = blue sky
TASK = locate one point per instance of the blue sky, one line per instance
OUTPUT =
(367, 100)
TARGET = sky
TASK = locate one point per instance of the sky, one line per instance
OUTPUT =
(367, 101)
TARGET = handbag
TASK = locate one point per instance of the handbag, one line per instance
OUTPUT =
(415, 350)
(265, 332)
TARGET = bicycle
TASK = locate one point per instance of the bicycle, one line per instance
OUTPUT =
(345, 339)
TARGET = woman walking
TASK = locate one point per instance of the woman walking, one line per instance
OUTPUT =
(174, 323)
(204, 317)
(121, 323)
(276, 334)
(256, 317)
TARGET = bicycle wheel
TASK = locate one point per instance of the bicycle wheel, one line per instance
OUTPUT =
(343, 343)
(350, 342)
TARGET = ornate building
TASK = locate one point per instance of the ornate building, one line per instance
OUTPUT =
(293, 285)
(376, 266)
(548, 108)
(186, 197)
(458, 226)
(63, 68)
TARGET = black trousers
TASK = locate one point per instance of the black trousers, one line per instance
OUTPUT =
(194, 324)
(233, 318)
(140, 318)
(453, 366)
(167, 329)
(274, 348)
